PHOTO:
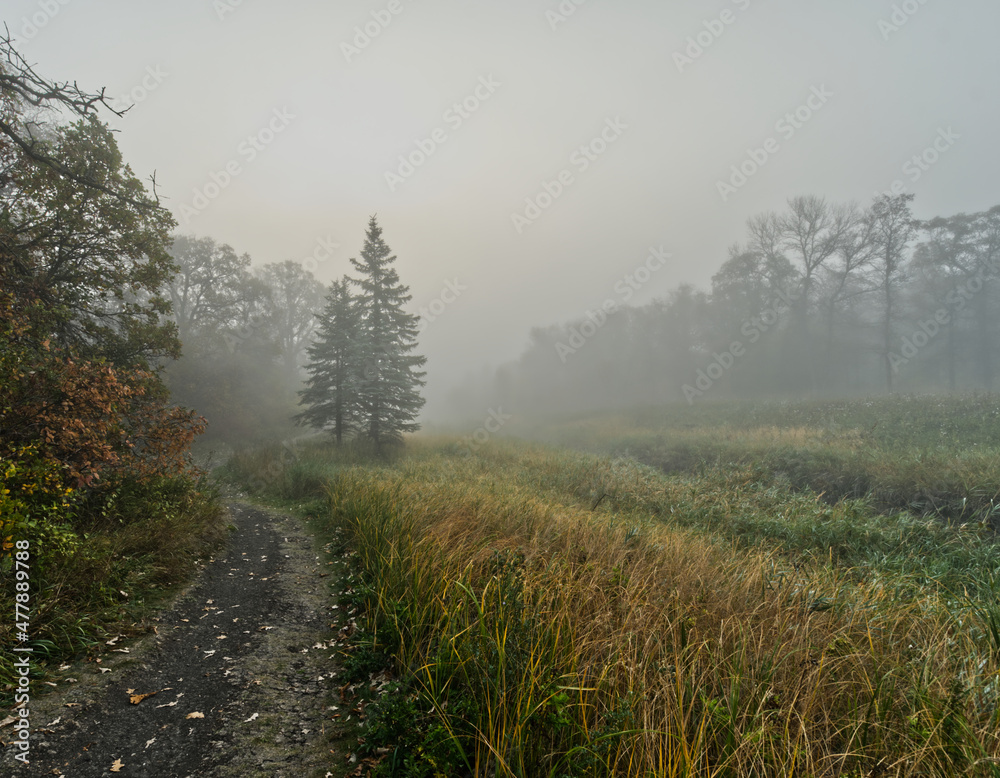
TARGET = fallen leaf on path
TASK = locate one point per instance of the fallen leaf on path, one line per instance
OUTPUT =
(195, 715)
(7, 721)
(252, 718)
(104, 669)
(112, 641)
(135, 699)
(117, 766)
(150, 742)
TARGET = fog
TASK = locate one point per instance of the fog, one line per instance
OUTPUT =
(279, 128)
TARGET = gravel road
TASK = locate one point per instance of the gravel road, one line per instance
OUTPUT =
(237, 675)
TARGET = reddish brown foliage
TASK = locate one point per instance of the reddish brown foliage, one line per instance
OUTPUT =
(93, 418)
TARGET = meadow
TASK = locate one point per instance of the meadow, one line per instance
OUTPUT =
(928, 455)
(664, 594)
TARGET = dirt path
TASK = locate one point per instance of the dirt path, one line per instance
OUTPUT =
(239, 670)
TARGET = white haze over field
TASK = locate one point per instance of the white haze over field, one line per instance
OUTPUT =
(291, 122)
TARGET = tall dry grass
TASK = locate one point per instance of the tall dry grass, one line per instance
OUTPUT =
(539, 637)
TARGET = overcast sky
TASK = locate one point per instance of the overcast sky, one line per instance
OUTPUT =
(642, 108)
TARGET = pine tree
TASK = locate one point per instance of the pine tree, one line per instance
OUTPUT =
(334, 367)
(389, 379)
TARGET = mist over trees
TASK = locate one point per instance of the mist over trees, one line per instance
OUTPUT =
(244, 333)
(332, 392)
(821, 299)
(363, 376)
(84, 414)
(258, 343)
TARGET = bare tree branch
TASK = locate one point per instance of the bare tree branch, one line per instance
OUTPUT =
(20, 84)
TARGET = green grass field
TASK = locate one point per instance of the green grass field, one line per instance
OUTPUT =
(927, 455)
(664, 594)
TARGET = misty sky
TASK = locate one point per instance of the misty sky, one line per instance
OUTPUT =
(312, 118)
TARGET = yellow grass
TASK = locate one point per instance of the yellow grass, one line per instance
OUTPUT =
(606, 644)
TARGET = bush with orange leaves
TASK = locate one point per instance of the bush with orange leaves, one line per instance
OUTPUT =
(69, 426)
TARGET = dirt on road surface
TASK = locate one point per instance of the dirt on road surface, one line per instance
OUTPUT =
(234, 682)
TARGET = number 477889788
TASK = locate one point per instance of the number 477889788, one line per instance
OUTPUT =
(21, 599)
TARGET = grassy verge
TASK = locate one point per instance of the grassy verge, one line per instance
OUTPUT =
(294, 478)
(123, 555)
(561, 614)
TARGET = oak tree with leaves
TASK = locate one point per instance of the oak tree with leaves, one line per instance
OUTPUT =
(83, 325)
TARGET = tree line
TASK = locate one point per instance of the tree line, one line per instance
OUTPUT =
(84, 328)
(244, 332)
(98, 299)
(259, 343)
(820, 299)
